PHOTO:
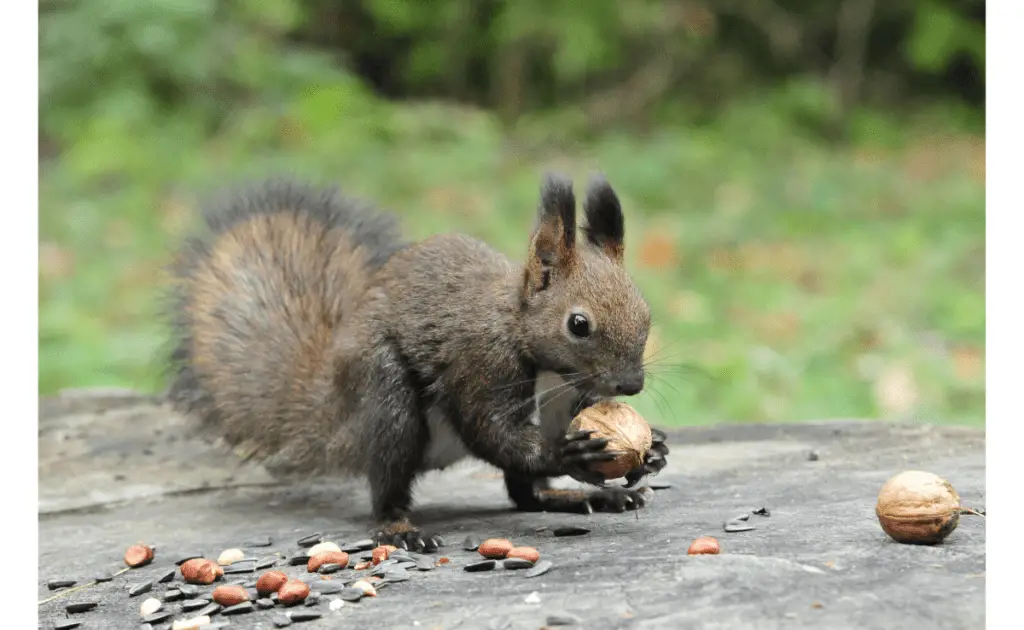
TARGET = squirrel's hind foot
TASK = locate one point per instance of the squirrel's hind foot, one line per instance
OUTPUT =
(609, 499)
(404, 535)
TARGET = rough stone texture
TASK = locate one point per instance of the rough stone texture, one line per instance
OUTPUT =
(116, 468)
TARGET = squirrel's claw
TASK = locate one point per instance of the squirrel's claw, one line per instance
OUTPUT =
(578, 450)
(408, 537)
(654, 461)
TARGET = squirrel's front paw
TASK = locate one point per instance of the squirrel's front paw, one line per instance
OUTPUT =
(577, 451)
(654, 461)
(405, 535)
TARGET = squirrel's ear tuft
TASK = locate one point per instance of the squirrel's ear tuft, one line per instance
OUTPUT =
(605, 226)
(553, 243)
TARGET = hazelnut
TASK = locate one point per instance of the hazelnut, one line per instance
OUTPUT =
(918, 508)
(230, 594)
(705, 545)
(626, 431)
(326, 557)
(200, 571)
(381, 553)
(292, 592)
(526, 553)
(138, 555)
(270, 582)
(495, 548)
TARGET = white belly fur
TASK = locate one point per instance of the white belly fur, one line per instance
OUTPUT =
(552, 413)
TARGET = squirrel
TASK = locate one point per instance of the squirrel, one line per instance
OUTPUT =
(308, 334)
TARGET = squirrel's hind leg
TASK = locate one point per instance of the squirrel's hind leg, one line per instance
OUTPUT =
(536, 495)
(395, 436)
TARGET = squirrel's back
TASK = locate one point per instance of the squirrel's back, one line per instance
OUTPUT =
(256, 301)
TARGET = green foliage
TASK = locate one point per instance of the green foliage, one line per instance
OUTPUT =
(789, 278)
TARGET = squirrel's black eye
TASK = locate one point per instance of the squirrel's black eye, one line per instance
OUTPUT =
(579, 325)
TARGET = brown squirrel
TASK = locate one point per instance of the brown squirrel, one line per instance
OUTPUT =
(309, 335)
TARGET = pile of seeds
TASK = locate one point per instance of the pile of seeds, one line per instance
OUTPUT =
(288, 588)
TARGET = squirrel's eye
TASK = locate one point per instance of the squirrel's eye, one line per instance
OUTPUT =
(578, 325)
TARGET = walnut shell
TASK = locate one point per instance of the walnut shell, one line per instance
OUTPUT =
(918, 508)
(626, 431)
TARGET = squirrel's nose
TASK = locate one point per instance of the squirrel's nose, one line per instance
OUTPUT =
(630, 385)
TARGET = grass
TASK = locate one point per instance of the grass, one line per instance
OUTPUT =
(788, 280)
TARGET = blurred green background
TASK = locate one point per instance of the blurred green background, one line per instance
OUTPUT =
(804, 179)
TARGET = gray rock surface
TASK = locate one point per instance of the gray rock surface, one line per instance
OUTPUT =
(116, 468)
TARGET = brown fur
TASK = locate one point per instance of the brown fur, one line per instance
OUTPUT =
(312, 338)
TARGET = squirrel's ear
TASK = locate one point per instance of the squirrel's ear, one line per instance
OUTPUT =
(553, 243)
(605, 226)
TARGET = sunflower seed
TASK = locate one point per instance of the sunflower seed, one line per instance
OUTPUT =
(762, 512)
(306, 615)
(188, 590)
(245, 566)
(424, 564)
(359, 545)
(106, 577)
(540, 568)
(659, 485)
(238, 609)
(265, 603)
(55, 584)
(173, 594)
(194, 604)
(326, 587)
(485, 565)
(67, 624)
(329, 568)
(266, 563)
(79, 607)
(571, 530)
(295, 561)
(517, 563)
(310, 540)
(562, 619)
(470, 544)
(312, 599)
(733, 527)
(140, 588)
(209, 610)
(157, 617)
(166, 577)
(351, 594)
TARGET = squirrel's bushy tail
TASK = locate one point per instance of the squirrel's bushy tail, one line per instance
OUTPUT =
(255, 301)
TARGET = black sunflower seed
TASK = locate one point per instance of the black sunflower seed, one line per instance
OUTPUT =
(310, 540)
(485, 565)
(140, 588)
(238, 609)
(79, 607)
(571, 530)
(158, 616)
